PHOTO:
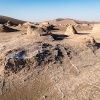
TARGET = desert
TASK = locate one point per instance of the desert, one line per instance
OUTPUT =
(50, 60)
(49, 49)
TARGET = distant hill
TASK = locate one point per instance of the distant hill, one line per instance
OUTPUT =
(4, 19)
(69, 21)
(62, 21)
(85, 22)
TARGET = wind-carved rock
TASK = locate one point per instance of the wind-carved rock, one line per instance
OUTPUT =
(89, 40)
(96, 27)
(4, 28)
(36, 32)
(47, 27)
(70, 31)
(9, 23)
(29, 30)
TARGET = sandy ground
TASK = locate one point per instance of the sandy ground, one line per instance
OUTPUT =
(77, 78)
(4, 37)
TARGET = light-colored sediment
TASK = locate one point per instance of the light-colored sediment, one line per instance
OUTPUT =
(36, 66)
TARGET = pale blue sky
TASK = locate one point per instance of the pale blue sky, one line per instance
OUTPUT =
(40, 10)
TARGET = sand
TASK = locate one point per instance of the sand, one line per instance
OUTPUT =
(50, 67)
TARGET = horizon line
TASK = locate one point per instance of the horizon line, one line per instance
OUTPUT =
(49, 19)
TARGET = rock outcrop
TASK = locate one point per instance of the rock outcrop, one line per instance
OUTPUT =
(44, 24)
(26, 24)
(9, 23)
(4, 28)
(47, 27)
(96, 27)
(89, 40)
(70, 30)
(36, 32)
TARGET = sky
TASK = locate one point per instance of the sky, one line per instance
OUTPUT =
(42, 10)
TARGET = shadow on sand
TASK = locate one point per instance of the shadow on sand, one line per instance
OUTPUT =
(98, 45)
(83, 33)
(58, 37)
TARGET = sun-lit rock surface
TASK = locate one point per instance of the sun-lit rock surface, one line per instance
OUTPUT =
(70, 30)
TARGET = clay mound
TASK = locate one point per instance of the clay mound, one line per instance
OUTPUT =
(9, 23)
(44, 23)
(96, 27)
(70, 31)
(39, 32)
(4, 28)
(30, 30)
(83, 27)
(47, 27)
(45, 54)
(89, 40)
(26, 24)
(36, 32)
(19, 26)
